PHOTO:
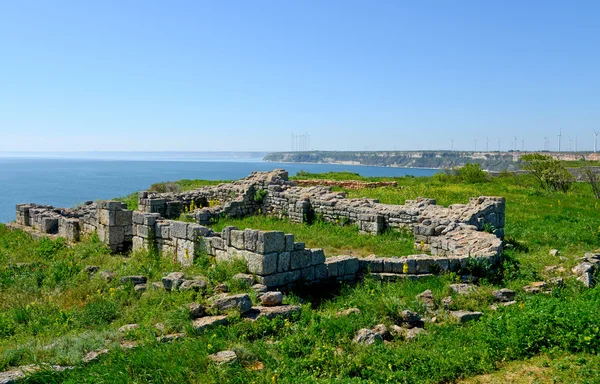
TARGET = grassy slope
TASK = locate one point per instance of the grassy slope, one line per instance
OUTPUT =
(52, 301)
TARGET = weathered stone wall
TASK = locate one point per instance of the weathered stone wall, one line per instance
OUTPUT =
(451, 234)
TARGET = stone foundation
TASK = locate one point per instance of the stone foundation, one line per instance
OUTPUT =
(451, 234)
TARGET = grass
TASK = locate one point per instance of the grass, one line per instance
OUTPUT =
(51, 311)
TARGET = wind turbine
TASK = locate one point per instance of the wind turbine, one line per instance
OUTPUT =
(559, 135)
(515, 143)
(522, 144)
(451, 145)
(595, 140)
(570, 143)
(475, 145)
(487, 142)
(545, 143)
(498, 144)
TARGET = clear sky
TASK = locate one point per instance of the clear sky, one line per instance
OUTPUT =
(243, 75)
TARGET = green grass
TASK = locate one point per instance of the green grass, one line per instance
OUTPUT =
(51, 311)
(333, 238)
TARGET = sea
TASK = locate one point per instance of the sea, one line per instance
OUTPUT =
(66, 179)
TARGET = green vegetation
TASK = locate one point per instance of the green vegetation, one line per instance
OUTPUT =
(549, 172)
(52, 311)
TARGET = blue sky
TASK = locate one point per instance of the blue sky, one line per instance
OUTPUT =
(244, 75)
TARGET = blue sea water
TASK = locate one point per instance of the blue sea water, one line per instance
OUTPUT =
(64, 182)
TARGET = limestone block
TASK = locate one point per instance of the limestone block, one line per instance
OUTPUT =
(186, 251)
(237, 239)
(261, 264)
(283, 262)
(226, 234)
(300, 259)
(289, 243)
(307, 274)
(123, 218)
(179, 229)
(196, 231)
(318, 256)
(269, 242)
(321, 271)
(250, 239)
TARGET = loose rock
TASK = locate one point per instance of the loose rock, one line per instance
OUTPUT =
(173, 280)
(271, 312)
(224, 303)
(366, 336)
(427, 298)
(504, 295)
(135, 280)
(244, 278)
(462, 289)
(196, 310)
(91, 269)
(349, 312)
(223, 357)
(464, 316)
(260, 288)
(271, 299)
(554, 252)
(208, 321)
(128, 327)
(195, 285)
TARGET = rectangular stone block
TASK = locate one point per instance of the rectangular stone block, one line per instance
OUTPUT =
(105, 217)
(217, 243)
(269, 242)
(300, 259)
(186, 251)
(289, 243)
(299, 246)
(320, 272)
(163, 230)
(261, 264)
(179, 229)
(318, 256)
(237, 239)
(250, 239)
(137, 217)
(226, 234)
(307, 274)
(49, 225)
(196, 231)
(351, 266)
(123, 218)
(283, 262)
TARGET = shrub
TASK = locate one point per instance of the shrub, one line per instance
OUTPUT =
(471, 173)
(47, 248)
(591, 178)
(548, 171)
(167, 186)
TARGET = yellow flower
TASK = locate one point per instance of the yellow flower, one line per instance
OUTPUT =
(405, 268)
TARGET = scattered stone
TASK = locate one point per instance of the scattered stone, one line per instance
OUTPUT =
(107, 275)
(128, 327)
(582, 268)
(208, 321)
(504, 295)
(585, 270)
(224, 303)
(91, 269)
(244, 278)
(427, 299)
(260, 288)
(94, 355)
(554, 252)
(557, 282)
(135, 280)
(173, 280)
(554, 269)
(587, 279)
(447, 302)
(535, 287)
(382, 330)
(271, 299)
(196, 310)
(462, 289)
(509, 303)
(17, 374)
(160, 327)
(271, 312)
(157, 285)
(195, 285)
(128, 344)
(140, 287)
(366, 336)
(464, 316)
(469, 279)
(223, 357)
(221, 288)
(170, 337)
(408, 316)
(413, 333)
(348, 312)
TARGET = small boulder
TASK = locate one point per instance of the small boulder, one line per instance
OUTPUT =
(535, 287)
(135, 280)
(107, 275)
(382, 330)
(194, 285)
(271, 299)
(244, 278)
(447, 302)
(271, 312)
(413, 333)
(196, 310)
(260, 288)
(224, 303)
(208, 321)
(504, 295)
(348, 312)
(554, 252)
(465, 316)
(128, 327)
(408, 316)
(140, 287)
(221, 288)
(223, 357)
(173, 280)
(366, 336)
(427, 299)
(170, 337)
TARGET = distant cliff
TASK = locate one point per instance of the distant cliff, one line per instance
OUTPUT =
(492, 161)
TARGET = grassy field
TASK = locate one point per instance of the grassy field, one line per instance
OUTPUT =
(54, 312)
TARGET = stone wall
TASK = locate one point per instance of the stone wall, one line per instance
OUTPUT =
(451, 234)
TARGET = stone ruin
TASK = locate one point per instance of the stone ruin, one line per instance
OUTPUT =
(451, 234)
